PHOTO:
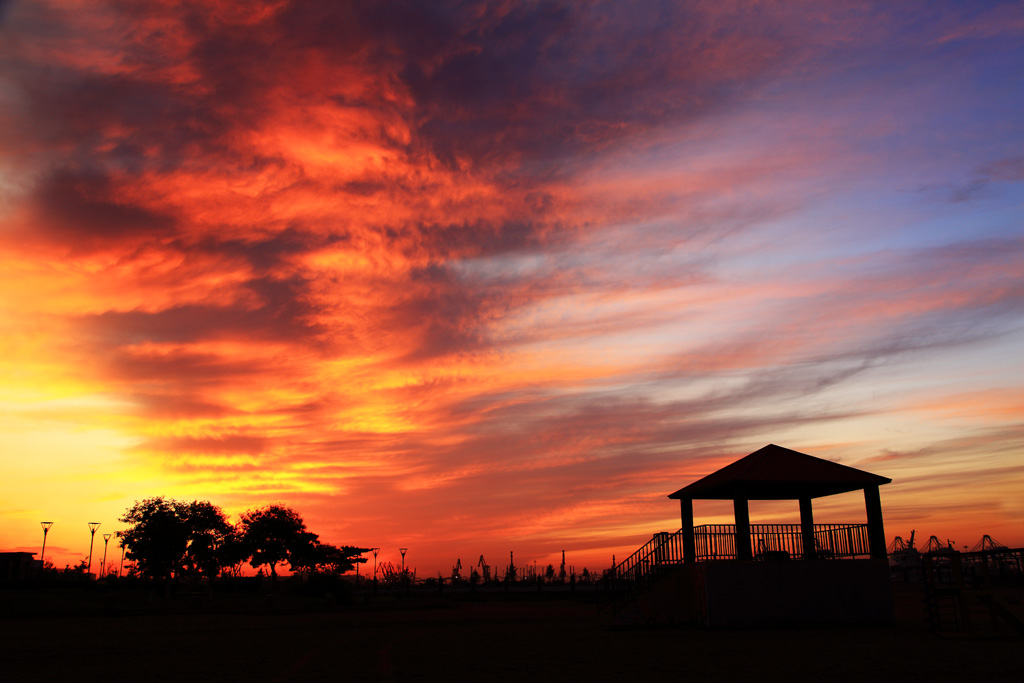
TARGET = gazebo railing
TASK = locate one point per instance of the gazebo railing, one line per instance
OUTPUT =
(841, 540)
(625, 581)
(715, 541)
(832, 541)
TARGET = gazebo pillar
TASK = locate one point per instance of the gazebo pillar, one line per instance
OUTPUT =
(807, 529)
(689, 544)
(876, 530)
(742, 512)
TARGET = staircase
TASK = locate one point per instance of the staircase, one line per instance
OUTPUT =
(978, 604)
(626, 581)
(943, 594)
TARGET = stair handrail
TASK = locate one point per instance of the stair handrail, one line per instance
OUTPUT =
(634, 574)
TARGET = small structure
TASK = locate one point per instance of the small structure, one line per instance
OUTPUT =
(743, 574)
(16, 566)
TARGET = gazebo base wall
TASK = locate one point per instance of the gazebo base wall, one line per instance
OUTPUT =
(732, 594)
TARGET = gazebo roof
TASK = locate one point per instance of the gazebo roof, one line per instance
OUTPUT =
(777, 473)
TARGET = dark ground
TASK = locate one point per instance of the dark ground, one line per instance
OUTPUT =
(94, 636)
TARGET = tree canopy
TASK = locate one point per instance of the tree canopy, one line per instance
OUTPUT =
(275, 534)
(328, 559)
(167, 537)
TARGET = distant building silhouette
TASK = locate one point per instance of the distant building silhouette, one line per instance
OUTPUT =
(17, 566)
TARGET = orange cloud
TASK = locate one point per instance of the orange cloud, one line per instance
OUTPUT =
(475, 277)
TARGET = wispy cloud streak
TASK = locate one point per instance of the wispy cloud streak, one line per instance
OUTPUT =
(484, 277)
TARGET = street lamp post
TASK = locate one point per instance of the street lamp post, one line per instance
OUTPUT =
(375, 551)
(120, 566)
(103, 565)
(46, 528)
(93, 526)
(405, 577)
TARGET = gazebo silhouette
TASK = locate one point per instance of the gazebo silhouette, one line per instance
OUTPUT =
(740, 574)
(777, 473)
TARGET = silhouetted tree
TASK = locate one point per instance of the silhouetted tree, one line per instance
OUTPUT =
(274, 534)
(208, 531)
(167, 537)
(233, 552)
(328, 559)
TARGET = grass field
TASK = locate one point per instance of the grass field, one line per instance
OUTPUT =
(498, 637)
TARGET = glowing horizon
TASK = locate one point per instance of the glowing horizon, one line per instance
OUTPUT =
(472, 279)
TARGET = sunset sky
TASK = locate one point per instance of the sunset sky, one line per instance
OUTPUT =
(472, 278)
